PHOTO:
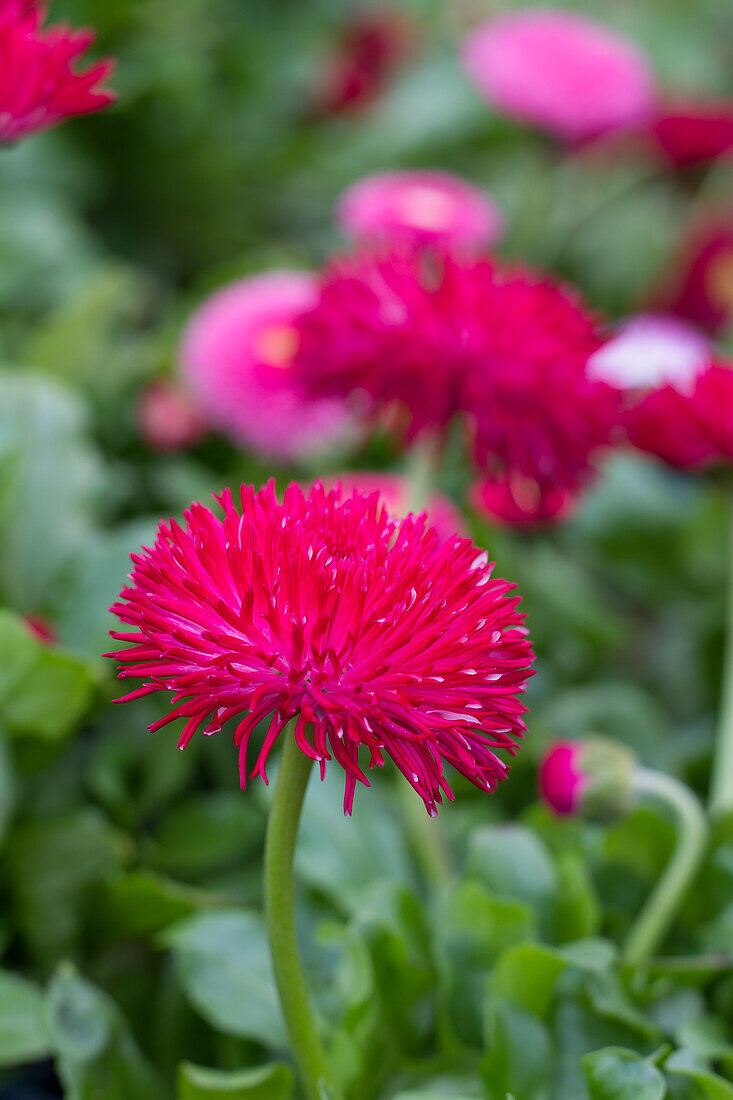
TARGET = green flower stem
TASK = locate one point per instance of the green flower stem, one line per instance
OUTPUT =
(425, 835)
(650, 926)
(721, 793)
(282, 829)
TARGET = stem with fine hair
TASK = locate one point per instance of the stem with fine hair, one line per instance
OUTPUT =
(653, 921)
(282, 828)
(721, 792)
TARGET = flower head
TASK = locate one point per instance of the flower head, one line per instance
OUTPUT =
(507, 350)
(236, 359)
(393, 492)
(593, 777)
(40, 85)
(690, 426)
(368, 51)
(561, 71)
(693, 132)
(167, 418)
(424, 207)
(370, 632)
(519, 502)
(702, 290)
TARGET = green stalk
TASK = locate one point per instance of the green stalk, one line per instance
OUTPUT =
(721, 792)
(282, 829)
(651, 925)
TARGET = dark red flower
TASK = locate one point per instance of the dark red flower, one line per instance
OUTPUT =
(40, 85)
(693, 132)
(367, 630)
(507, 349)
(687, 427)
(702, 290)
(369, 50)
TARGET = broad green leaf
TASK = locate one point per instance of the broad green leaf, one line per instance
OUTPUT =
(23, 1033)
(223, 963)
(96, 1055)
(512, 862)
(525, 975)
(274, 1082)
(618, 1074)
(143, 903)
(577, 912)
(518, 1060)
(8, 786)
(709, 1085)
(207, 831)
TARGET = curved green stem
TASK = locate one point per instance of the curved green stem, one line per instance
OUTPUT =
(650, 926)
(282, 829)
(721, 792)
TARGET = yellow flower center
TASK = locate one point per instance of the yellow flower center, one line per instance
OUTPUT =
(276, 345)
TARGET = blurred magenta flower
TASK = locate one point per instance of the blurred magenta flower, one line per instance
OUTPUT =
(694, 131)
(560, 71)
(371, 631)
(423, 207)
(649, 351)
(505, 348)
(701, 288)
(593, 777)
(41, 629)
(369, 50)
(40, 84)
(688, 427)
(236, 358)
(167, 418)
(518, 501)
(394, 493)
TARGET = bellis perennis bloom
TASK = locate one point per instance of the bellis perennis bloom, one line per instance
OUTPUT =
(236, 358)
(560, 71)
(592, 778)
(424, 207)
(506, 349)
(370, 632)
(39, 83)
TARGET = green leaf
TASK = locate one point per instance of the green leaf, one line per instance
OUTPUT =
(709, 1084)
(223, 963)
(144, 903)
(23, 1033)
(96, 1055)
(519, 1053)
(7, 786)
(618, 1074)
(43, 691)
(206, 831)
(512, 862)
(274, 1082)
(525, 975)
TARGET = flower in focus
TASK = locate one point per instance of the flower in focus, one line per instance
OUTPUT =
(688, 427)
(369, 51)
(40, 84)
(692, 132)
(236, 358)
(394, 493)
(703, 284)
(562, 72)
(370, 632)
(506, 349)
(167, 418)
(423, 207)
(593, 778)
(649, 351)
(519, 502)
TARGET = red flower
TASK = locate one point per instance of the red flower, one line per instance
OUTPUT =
(507, 349)
(687, 428)
(369, 50)
(39, 84)
(703, 290)
(593, 778)
(369, 631)
(694, 132)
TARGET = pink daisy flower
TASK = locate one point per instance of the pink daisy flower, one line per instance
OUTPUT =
(593, 778)
(560, 71)
(507, 350)
(421, 207)
(394, 493)
(370, 632)
(40, 85)
(236, 358)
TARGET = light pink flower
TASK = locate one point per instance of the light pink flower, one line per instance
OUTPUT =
(423, 207)
(393, 491)
(562, 72)
(236, 356)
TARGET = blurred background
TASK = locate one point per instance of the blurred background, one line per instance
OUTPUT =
(239, 123)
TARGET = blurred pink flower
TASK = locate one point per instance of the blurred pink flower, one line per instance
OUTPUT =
(701, 287)
(369, 50)
(39, 84)
(423, 207)
(236, 356)
(649, 351)
(565, 73)
(694, 131)
(561, 777)
(517, 501)
(167, 419)
(393, 490)
(41, 629)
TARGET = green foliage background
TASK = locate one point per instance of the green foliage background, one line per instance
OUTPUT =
(133, 950)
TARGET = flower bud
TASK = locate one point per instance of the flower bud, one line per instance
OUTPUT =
(592, 778)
